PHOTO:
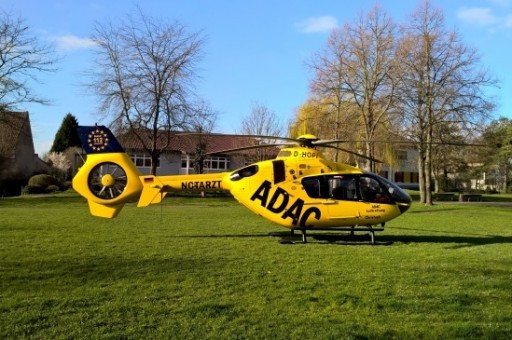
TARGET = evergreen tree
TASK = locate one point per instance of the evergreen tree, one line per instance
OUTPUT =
(67, 135)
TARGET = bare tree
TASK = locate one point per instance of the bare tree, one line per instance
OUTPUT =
(22, 57)
(145, 72)
(203, 123)
(60, 164)
(441, 87)
(355, 68)
(262, 122)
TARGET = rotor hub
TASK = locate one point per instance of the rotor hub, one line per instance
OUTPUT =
(108, 180)
(307, 140)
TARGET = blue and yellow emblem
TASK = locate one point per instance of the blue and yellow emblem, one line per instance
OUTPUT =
(98, 139)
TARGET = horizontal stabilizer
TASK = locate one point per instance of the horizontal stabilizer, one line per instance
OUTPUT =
(102, 210)
(151, 191)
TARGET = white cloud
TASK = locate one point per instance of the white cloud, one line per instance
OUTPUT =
(72, 42)
(317, 24)
(482, 16)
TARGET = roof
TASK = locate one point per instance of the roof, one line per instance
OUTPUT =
(186, 142)
(11, 127)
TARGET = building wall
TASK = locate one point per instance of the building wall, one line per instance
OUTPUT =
(171, 163)
(24, 155)
(18, 161)
(22, 162)
(405, 173)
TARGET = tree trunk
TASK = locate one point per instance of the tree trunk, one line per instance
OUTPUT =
(428, 163)
(421, 174)
(428, 174)
(154, 161)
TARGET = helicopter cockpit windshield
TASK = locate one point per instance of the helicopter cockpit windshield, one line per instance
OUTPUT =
(354, 187)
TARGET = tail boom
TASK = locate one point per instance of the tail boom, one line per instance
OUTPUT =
(155, 187)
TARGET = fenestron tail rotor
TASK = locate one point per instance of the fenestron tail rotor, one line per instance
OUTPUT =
(107, 180)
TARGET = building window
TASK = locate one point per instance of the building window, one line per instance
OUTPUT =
(143, 160)
(216, 163)
(184, 163)
(406, 177)
(210, 163)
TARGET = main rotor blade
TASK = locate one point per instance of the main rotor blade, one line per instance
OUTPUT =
(352, 152)
(236, 135)
(322, 142)
(432, 143)
(333, 141)
(247, 148)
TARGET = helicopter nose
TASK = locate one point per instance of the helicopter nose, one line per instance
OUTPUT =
(403, 200)
(403, 207)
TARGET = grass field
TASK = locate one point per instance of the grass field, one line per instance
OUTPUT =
(207, 268)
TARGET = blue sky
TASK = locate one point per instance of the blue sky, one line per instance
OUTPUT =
(254, 51)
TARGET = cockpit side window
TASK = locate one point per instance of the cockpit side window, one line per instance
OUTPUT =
(312, 187)
(372, 191)
(248, 171)
(343, 188)
(396, 193)
(338, 187)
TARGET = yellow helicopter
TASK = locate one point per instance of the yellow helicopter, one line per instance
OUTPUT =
(299, 189)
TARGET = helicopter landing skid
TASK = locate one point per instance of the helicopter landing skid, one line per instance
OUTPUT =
(369, 228)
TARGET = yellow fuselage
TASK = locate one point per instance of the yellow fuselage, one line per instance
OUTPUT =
(273, 189)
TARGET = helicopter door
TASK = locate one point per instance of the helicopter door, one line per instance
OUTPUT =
(342, 201)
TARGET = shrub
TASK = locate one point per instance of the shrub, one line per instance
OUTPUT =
(42, 181)
(32, 189)
(40, 184)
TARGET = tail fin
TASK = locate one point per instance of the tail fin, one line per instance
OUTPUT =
(98, 139)
(108, 179)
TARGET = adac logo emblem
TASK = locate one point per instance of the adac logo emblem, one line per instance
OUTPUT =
(97, 140)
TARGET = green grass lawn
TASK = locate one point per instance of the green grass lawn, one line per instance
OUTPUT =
(207, 268)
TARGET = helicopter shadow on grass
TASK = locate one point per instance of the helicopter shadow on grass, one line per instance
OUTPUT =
(457, 241)
(285, 237)
(361, 238)
(333, 238)
(432, 211)
(461, 241)
(222, 236)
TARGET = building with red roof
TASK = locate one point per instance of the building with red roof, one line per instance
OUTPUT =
(178, 151)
